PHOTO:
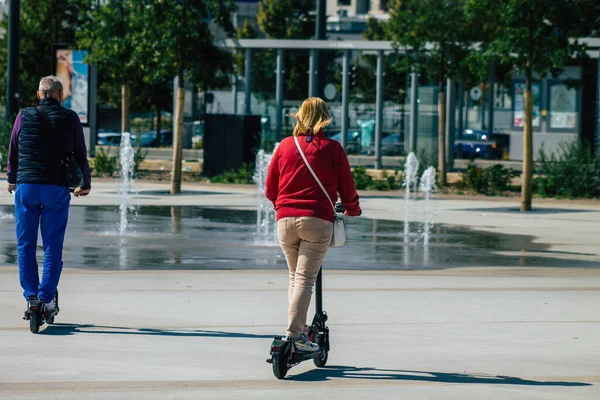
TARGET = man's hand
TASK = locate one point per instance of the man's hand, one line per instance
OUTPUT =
(11, 188)
(79, 192)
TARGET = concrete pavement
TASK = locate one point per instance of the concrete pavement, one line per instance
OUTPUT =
(463, 333)
(506, 333)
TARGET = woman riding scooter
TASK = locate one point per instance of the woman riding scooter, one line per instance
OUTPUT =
(304, 215)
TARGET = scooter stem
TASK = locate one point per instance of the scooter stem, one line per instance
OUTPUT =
(319, 293)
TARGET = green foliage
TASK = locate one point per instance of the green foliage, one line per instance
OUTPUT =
(243, 176)
(386, 182)
(5, 133)
(500, 178)
(43, 24)
(105, 164)
(362, 180)
(442, 24)
(532, 35)
(144, 43)
(573, 172)
(280, 19)
(475, 179)
(426, 159)
(189, 44)
(493, 180)
(138, 157)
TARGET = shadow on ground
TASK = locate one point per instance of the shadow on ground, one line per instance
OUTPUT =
(323, 374)
(71, 329)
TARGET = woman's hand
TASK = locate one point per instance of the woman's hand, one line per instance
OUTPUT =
(359, 214)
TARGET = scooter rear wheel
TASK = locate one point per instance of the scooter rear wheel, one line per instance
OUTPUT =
(34, 323)
(321, 359)
(280, 367)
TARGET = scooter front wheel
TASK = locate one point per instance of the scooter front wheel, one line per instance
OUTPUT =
(321, 360)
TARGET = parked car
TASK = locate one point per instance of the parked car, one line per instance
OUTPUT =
(109, 138)
(352, 141)
(391, 145)
(112, 139)
(478, 144)
(153, 139)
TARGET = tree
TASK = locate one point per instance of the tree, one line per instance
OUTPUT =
(109, 36)
(282, 19)
(394, 69)
(534, 36)
(173, 38)
(436, 33)
(44, 23)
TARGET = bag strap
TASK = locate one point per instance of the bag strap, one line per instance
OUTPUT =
(313, 172)
(48, 126)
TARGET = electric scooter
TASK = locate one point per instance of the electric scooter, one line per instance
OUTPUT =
(285, 355)
(37, 315)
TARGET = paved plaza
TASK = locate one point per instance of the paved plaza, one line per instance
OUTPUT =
(525, 329)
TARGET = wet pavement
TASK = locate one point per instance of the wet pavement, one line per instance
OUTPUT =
(188, 237)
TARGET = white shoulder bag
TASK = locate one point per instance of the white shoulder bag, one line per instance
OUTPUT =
(339, 225)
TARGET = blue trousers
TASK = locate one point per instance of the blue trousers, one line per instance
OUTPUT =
(46, 207)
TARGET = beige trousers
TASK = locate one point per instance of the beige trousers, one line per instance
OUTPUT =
(304, 241)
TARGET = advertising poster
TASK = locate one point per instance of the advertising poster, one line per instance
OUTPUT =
(563, 107)
(74, 75)
(519, 104)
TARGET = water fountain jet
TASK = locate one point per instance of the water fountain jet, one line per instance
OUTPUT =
(126, 157)
(266, 224)
(427, 185)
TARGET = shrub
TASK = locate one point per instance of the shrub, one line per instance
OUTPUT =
(244, 176)
(573, 171)
(365, 182)
(139, 156)
(426, 160)
(500, 178)
(105, 163)
(495, 179)
(475, 178)
(361, 178)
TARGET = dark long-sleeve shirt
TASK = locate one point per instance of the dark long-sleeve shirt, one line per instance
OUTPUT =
(79, 151)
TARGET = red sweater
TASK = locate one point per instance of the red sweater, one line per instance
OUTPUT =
(295, 192)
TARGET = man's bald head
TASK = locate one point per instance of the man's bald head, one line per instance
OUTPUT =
(50, 86)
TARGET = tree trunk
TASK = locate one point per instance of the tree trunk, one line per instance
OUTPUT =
(179, 110)
(527, 178)
(178, 138)
(442, 136)
(124, 108)
(526, 181)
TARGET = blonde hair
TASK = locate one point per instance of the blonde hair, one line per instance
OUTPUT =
(311, 118)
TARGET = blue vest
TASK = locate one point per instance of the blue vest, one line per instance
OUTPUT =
(39, 161)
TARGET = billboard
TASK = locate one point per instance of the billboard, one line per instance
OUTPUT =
(519, 104)
(75, 76)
